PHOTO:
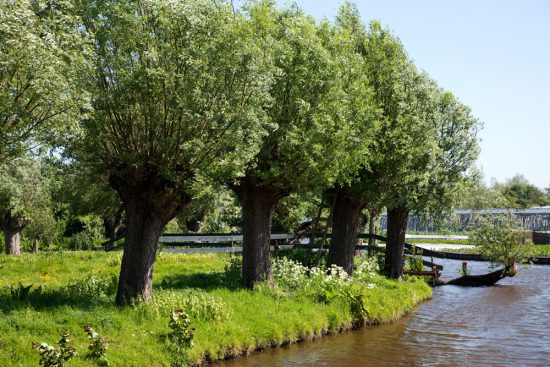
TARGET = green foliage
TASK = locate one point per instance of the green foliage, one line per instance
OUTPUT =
(292, 210)
(21, 292)
(52, 357)
(184, 92)
(522, 194)
(501, 240)
(214, 207)
(415, 261)
(475, 194)
(42, 63)
(89, 235)
(24, 195)
(233, 271)
(91, 289)
(308, 134)
(358, 302)
(181, 335)
(98, 345)
(196, 303)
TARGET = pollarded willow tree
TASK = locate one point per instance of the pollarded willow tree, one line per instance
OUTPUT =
(401, 145)
(42, 57)
(24, 199)
(424, 147)
(308, 132)
(179, 90)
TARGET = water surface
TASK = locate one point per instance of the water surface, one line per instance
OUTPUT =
(504, 325)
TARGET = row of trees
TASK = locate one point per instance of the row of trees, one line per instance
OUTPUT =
(162, 99)
(514, 193)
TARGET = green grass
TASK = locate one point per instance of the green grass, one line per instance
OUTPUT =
(442, 240)
(532, 250)
(229, 321)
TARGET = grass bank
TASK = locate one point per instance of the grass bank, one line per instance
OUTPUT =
(74, 289)
(532, 250)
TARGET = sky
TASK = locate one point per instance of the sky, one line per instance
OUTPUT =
(494, 56)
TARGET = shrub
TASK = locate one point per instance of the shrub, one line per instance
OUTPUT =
(357, 300)
(89, 233)
(21, 292)
(233, 272)
(415, 261)
(181, 335)
(91, 289)
(98, 345)
(52, 357)
(198, 304)
(501, 240)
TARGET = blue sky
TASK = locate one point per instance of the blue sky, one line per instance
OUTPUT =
(494, 56)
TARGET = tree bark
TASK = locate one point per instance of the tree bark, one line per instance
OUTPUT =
(12, 227)
(258, 205)
(397, 228)
(150, 202)
(346, 218)
(12, 238)
(140, 249)
(35, 244)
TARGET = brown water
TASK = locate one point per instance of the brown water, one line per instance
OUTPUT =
(504, 325)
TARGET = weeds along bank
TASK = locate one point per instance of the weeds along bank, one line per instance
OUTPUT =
(199, 312)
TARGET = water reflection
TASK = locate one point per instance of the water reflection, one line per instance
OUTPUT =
(505, 325)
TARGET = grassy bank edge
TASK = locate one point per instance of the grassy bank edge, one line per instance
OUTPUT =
(258, 320)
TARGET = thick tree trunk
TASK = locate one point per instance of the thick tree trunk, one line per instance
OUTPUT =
(140, 249)
(12, 227)
(346, 217)
(150, 202)
(397, 228)
(258, 205)
(35, 244)
(12, 238)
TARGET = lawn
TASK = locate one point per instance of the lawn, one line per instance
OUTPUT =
(74, 289)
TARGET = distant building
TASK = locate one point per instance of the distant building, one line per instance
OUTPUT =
(533, 219)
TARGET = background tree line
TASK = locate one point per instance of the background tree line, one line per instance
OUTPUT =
(139, 117)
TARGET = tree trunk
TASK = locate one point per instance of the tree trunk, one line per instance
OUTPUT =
(193, 224)
(397, 228)
(12, 238)
(258, 205)
(481, 280)
(113, 225)
(373, 219)
(12, 227)
(345, 224)
(118, 224)
(35, 244)
(140, 249)
(150, 202)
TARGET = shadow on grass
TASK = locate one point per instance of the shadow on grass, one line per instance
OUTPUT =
(92, 292)
(203, 281)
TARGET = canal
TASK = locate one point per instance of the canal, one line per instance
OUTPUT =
(504, 325)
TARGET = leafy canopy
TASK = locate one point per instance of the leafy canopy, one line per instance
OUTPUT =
(307, 129)
(178, 90)
(42, 63)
